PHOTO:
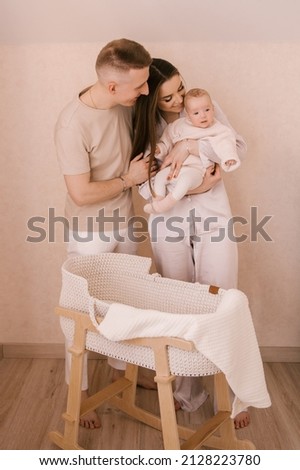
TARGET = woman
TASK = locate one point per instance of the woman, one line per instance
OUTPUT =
(191, 241)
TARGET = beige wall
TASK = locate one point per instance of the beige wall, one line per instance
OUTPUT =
(256, 83)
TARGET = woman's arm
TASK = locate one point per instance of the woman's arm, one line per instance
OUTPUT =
(179, 153)
(211, 178)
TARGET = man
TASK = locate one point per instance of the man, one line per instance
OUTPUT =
(93, 141)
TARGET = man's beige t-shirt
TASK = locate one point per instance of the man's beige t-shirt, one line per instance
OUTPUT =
(96, 141)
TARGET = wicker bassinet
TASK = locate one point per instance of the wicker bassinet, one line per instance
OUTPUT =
(91, 283)
(91, 287)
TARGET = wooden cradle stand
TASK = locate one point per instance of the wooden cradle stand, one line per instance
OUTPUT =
(120, 278)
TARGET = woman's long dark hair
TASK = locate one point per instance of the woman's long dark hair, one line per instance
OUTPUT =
(146, 115)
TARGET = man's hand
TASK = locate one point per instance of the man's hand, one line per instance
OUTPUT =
(138, 170)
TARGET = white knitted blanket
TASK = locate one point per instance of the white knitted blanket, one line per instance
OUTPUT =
(226, 337)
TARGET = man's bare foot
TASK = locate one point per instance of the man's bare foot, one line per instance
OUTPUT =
(242, 420)
(90, 420)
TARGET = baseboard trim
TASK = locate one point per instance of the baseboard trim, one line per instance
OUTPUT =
(57, 351)
(33, 351)
(36, 351)
(280, 354)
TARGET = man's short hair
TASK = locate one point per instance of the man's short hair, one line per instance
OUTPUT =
(122, 55)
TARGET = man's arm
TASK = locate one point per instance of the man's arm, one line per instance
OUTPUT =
(83, 191)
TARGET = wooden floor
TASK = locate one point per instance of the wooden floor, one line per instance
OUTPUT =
(33, 397)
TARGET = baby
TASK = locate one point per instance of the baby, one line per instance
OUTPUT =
(199, 123)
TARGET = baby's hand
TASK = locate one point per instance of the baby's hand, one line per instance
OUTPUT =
(230, 162)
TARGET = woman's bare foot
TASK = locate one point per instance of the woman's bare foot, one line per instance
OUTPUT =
(242, 420)
(90, 420)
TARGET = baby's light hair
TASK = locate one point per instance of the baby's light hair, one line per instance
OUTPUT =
(196, 93)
